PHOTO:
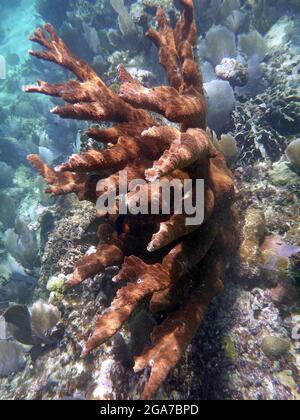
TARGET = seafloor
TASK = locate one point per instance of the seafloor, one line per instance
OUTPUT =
(249, 345)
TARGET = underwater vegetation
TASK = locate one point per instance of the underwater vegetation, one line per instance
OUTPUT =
(32, 326)
(11, 358)
(147, 150)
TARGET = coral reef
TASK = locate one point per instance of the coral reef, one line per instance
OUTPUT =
(255, 64)
(264, 123)
(23, 131)
(154, 252)
(225, 360)
(256, 135)
(265, 13)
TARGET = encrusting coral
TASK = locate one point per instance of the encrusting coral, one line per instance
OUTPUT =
(156, 251)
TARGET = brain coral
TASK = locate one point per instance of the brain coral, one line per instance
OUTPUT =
(155, 252)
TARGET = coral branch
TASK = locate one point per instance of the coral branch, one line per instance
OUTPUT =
(186, 30)
(175, 53)
(65, 183)
(57, 52)
(167, 55)
(90, 98)
(107, 326)
(171, 338)
(186, 109)
(176, 227)
(191, 147)
(144, 280)
(90, 265)
(111, 135)
(115, 158)
(127, 149)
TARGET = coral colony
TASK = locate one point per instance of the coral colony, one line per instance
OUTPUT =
(154, 251)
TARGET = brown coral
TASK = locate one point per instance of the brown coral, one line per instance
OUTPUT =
(156, 251)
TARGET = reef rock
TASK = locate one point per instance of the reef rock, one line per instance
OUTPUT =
(254, 231)
(233, 71)
(282, 174)
(275, 347)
